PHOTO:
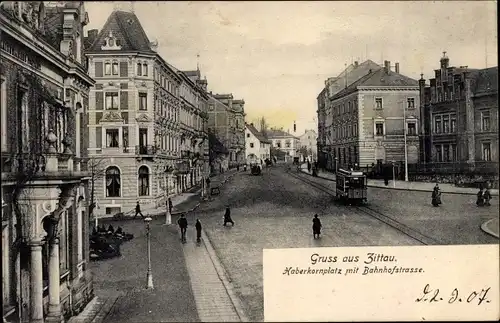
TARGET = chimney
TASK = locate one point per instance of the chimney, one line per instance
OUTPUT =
(387, 66)
(397, 68)
(355, 64)
(251, 124)
(92, 35)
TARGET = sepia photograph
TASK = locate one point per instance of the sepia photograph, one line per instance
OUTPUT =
(249, 161)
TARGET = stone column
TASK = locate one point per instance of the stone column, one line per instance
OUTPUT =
(36, 282)
(54, 314)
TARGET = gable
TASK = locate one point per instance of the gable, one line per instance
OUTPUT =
(127, 31)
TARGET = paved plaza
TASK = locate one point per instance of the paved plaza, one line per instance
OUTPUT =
(220, 279)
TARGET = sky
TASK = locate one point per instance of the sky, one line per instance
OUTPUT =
(277, 55)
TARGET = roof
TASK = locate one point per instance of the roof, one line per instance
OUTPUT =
(486, 81)
(259, 135)
(127, 29)
(53, 23)
(380, 78)
(276, 133)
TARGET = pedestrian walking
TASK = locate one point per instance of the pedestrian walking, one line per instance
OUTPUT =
(138, 210)
(183, 224)
(198, 230)
(227, 217)
(386, 177)
(309, 166)
(316, 226)
(436, 196)
(480, 197)
(487, 197)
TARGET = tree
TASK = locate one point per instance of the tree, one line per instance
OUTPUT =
(263, 126)
(303, 151)
(97, 169)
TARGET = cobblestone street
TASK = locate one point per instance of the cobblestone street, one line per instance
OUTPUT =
(275, 211)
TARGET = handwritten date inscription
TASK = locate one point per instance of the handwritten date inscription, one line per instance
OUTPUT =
(477, 297)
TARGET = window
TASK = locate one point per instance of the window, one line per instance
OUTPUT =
(410, 103)
(486, 151)
(112, 182)
(251, 145)
(248, 135)
(287, 144)
(412, 128)
(111, 100)
(446, 153)
(485, 121)
(453, 124)
(115, 68)
(278, 144)
(379, 129)
(378, 103)
(143, 181)
(107, 69)
(145, 69)
(112, 138)
(439, 153)
(437, 124)
(139, 69)
(143, 101)
(446, 124)
(453, 152)
(349, 107)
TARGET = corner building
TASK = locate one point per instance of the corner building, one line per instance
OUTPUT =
(460, 132)
(44, 100)
(134, 117)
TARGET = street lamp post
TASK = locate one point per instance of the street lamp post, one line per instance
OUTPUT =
(393, 174)
(148, 234)
(406, 148)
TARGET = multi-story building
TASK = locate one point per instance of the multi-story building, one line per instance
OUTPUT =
(333, 85)
(44, 99)
(134, 117)
(226, 121)
(308, 142)
(257, 146)
(460, 112)
(285, 142)
(366, 121)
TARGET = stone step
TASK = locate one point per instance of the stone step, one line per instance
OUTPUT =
(95, 311)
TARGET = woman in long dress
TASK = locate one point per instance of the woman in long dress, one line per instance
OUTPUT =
(436, 196)
(316, 226)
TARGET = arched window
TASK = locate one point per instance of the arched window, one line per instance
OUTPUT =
(145, 69)
(139, 69)
(143, 181)
(113, 182)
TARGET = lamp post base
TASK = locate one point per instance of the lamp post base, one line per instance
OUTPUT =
(150, 280)
(168, 218)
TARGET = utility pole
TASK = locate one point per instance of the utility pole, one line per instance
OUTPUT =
(406, 147)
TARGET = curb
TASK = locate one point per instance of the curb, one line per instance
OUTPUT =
(485, 228)
(402, 189)
(224, 278)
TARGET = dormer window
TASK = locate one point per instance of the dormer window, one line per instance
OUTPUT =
(139, 69)
(110, 43)
(145, 69)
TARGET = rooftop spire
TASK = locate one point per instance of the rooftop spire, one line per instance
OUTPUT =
(198, 62)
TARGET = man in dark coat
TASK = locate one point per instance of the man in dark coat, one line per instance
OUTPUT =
(170, 205)
(227, 217)
(480, 197)
(138, 210)
(436, 196)
(316, 226)
(198, 230)
(183, 224)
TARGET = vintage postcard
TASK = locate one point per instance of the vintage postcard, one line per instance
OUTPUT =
(230, 161)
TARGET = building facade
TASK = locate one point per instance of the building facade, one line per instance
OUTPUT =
(44, 99)
(145, 120)
(257, 146)
(284, 142)
(334, 85)
(460, 109)
(226, 120)
(308, 145)
(366, 121)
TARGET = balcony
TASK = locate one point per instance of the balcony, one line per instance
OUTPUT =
(145, 150)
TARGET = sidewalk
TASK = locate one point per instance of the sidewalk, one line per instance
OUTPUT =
(408, 186)
(491, 227)
(189, 284)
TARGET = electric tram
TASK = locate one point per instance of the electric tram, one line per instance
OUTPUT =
(351, 186)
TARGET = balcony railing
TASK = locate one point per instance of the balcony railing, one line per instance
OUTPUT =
(145, 150)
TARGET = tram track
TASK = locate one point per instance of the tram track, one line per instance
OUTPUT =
(366, 210)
